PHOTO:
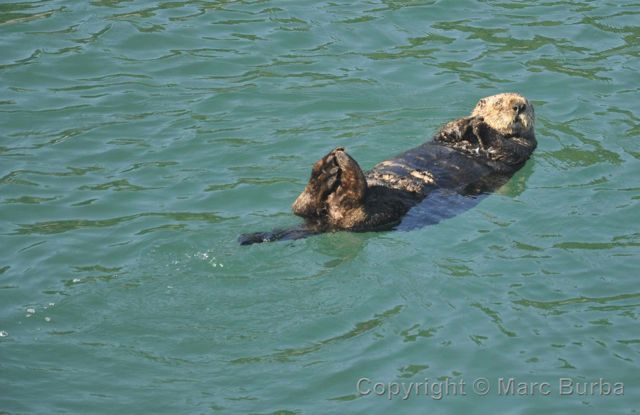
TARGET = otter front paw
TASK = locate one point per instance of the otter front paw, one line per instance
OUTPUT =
(478, 132)
(462, 129)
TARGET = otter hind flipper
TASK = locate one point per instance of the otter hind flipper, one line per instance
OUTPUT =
(336, 191)
(311, 202)
(352, 184)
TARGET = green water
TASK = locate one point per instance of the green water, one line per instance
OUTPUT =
(139, 139)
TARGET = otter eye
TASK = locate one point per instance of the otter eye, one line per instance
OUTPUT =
(519, 108)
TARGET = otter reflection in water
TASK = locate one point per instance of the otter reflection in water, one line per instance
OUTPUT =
(466, 159)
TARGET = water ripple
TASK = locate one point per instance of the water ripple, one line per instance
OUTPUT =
(558, 304)
(290, 354)
(61, 226)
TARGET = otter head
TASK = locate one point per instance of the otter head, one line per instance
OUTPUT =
(509, 114)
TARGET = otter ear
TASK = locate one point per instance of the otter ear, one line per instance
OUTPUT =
(481, 103)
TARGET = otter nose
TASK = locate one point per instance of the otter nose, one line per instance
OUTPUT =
(518, 108)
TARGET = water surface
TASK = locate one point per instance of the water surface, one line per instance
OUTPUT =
(139, 139)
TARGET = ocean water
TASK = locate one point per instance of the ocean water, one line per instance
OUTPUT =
(139, 139)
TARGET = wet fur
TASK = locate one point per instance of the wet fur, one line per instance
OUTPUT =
(472, 155)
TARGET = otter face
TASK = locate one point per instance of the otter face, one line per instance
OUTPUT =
(509, 113)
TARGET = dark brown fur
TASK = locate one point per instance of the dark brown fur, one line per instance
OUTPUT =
(470, 155)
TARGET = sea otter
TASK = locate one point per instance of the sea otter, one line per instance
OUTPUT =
(467, 157)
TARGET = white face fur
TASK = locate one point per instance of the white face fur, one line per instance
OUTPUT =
(509, 113)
